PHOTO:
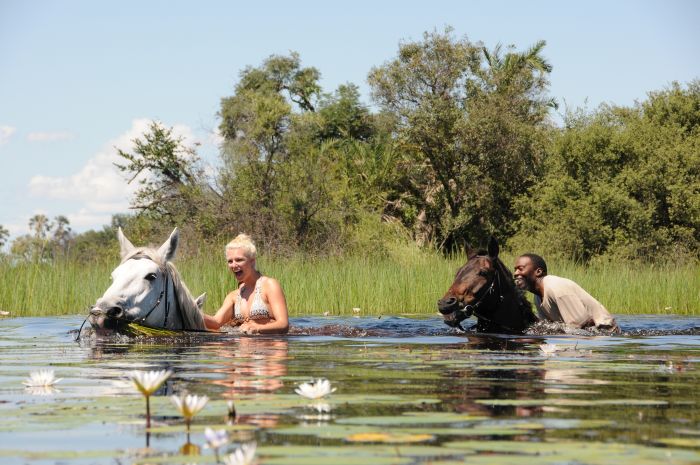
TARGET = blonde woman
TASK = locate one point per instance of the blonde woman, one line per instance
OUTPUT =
(258, 305)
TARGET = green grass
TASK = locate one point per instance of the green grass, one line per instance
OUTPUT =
(410, 284)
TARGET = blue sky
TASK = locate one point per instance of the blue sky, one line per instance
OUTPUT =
(78, 78)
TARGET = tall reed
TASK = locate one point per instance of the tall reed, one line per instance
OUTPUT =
(407, 284)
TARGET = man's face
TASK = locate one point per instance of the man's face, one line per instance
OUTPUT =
(526, 274)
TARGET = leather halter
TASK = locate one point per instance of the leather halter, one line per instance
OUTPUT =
(494, 288)
(166, 279)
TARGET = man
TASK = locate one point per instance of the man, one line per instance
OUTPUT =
(560, 299)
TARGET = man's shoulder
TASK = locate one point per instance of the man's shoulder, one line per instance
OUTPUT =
(558, 284)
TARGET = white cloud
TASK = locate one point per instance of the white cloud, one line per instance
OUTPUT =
(50, 136)
(99, 187)
(5, 133)
(215, 137)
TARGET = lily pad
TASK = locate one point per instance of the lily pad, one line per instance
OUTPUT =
(391, 438)
(591, 453)
(572, 402)
(680, 442)
(412, 418)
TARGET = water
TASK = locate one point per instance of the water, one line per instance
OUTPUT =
(408, 391)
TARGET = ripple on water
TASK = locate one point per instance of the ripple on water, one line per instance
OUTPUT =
(402, 384)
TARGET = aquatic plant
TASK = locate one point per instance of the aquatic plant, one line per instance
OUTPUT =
(189, 405)
(315, 389)
(148, 382)
(216, 439)
(40, 379)
(244, 455)
(377, 285)
(231, 417)
(548, 349)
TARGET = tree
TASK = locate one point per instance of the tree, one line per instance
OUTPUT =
(41, 226)
(62, 236)
(174, 189)
(4, 234)
(343, 116)
(255, 124)
(473, 123)
(621, 182)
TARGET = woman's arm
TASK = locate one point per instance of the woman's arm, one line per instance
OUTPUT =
(276, 302)
(223, 315)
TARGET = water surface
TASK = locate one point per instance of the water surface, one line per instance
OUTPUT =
(408, 391)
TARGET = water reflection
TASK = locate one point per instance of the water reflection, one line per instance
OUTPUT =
(251, 367)
(499, 372)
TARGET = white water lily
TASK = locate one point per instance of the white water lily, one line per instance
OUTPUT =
(215, 439)
(244, 455)
(548, 349)
(41, 378)
(42, 390)
(315, 389)
(189, 405)
(148, 382)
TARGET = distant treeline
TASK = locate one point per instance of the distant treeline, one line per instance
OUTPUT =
(458, 144)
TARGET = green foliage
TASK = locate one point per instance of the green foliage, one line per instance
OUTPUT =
(405, 280)
(290, 159)
(51, 240)
(460, 148)
(4, 234)
(472, 122)
(168, 173)
(621, 182)
(343, 116)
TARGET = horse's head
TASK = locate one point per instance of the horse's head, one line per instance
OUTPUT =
(473, 283)
(484, 288)
(140, 286)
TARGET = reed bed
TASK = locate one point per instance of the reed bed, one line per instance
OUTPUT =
(409, 284)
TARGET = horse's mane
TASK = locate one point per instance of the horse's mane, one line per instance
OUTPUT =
(191, 316)
(507, 278)
(505, 273)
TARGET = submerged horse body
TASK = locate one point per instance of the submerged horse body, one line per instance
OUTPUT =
(147, 289)
(483, 287)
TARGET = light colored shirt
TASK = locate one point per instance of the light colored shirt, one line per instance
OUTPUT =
(566, 302)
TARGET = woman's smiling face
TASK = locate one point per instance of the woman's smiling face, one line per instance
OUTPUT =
(239, 263)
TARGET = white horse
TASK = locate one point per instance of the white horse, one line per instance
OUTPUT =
(147, 289)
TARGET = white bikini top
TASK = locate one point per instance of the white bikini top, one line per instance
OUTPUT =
(258, 308)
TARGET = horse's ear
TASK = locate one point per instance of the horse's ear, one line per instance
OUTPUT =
(167, 250)
(199, 301)
(493, 247)
(125, 246)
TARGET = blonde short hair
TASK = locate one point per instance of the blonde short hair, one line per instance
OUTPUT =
(243, 241)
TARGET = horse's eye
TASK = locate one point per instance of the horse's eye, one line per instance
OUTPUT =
(483, 273)
(151, 276)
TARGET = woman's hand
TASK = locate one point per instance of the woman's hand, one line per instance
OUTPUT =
(249, 328)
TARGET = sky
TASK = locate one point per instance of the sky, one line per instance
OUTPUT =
(79, 79)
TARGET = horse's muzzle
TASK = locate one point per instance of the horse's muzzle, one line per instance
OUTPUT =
(110, 318)
(451, 311)
(448, 305)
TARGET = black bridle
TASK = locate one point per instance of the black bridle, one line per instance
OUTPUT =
(142, 320)
(471, 309)
(494, 288)
(166, 279)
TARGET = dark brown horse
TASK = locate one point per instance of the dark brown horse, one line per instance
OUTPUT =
(484, 287)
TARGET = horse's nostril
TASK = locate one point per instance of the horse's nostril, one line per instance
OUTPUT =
(115, 312)
(447, 305)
